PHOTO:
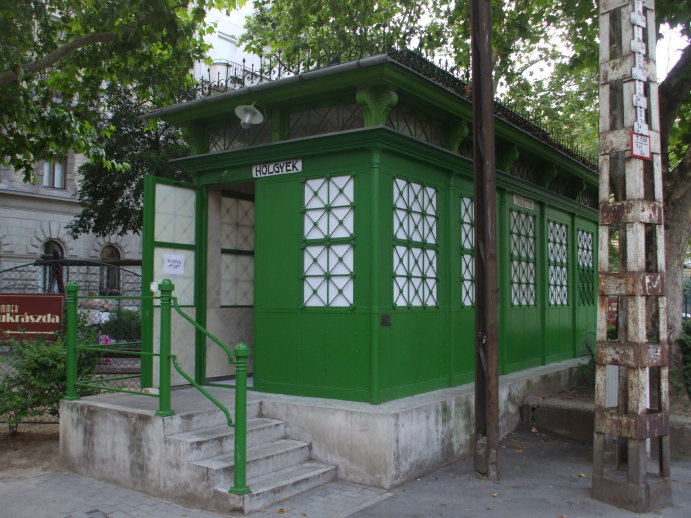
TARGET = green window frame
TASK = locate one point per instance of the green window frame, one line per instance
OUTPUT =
(329, 242)
(558, 263)
(467, 251)
(522, 259)
(586, 268)
(416, 250)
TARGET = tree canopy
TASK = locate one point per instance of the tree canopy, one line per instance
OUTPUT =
(114, 206)
(58, 56)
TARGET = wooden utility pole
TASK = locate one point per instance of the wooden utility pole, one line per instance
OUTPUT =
(631, 220)
(486, 318)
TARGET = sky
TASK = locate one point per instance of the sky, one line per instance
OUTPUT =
(668, 50)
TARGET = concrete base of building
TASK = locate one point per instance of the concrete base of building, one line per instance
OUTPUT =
(117, 437)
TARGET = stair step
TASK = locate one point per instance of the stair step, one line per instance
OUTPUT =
(273, 487)
(261, 459)
(212, 440)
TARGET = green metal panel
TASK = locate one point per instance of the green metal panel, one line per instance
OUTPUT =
(585, 286)
(312, 351)
(462, 313)
(156, 240)
(522, 332)
(558, 324)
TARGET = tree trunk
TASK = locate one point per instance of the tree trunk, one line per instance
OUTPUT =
(677, 233)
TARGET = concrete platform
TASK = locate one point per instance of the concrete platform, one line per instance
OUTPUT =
(117, 437)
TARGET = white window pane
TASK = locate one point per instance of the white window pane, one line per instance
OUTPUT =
(315, 260)
(47, 174)
(59, 175)
(316, 224)
(315, 291)
(316, 193)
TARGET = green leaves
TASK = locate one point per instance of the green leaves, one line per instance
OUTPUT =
(57, 57)
(128, 149)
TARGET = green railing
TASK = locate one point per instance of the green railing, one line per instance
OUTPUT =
(239, 358)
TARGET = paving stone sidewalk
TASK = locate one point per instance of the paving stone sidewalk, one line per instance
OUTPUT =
(67, 495)
(542, 476)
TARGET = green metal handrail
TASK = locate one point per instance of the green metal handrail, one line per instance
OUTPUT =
(201, 389)
(226, 349)
(239, 358)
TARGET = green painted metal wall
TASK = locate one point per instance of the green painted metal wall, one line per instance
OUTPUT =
(374, 351)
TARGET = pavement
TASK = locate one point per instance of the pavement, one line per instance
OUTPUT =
(541, 475)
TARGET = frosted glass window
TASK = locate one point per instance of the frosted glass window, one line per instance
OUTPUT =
(586, 269)
(467, 251)
(184, 283)
(329, 252)
(415, 244)
(175, 214)
(237, 280)
(558, 257)
(237, 224)
(522, 259)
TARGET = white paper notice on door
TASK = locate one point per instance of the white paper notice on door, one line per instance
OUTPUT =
(173, 264)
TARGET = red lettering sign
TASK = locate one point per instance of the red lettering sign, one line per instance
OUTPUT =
(30, 316)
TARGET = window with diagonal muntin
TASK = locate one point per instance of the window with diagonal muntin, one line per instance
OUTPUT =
(522, 251)
(586, 269)
(558, 260)
(467, 251)
(329, 242)
(415, 244)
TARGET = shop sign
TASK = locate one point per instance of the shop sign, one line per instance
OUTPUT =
(32, 316)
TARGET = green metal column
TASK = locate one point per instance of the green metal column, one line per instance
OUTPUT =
(242, 353)
(166, 287)
(375, 282)
(71, 291)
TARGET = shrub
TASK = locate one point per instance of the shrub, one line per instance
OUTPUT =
(37, 379)
(124, 326)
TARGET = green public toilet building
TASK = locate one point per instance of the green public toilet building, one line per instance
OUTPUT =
(336, 236)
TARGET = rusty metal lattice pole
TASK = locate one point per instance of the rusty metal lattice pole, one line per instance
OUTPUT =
(632, 250)
(486, 319)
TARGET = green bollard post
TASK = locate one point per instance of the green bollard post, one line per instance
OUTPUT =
(71, 291)
(166, 287)
(242, 353)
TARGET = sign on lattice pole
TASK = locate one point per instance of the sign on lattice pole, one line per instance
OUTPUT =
(631, 439)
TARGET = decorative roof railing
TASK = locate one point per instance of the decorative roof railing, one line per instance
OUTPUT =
(234, 76)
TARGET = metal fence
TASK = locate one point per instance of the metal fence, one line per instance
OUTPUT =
(104, 316)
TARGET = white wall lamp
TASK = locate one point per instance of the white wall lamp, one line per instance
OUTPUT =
(249, 115)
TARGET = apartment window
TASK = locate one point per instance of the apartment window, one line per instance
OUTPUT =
(54, 172)
(52, 272)
(109, 278)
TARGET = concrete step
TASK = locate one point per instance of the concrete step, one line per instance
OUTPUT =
(273, 487)
(261, 459)
(214, 440)
(191, 420)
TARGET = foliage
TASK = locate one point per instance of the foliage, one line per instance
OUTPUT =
(38, 378)
(685, 345)
(115, 206)
(58, 56)
(125, 326)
